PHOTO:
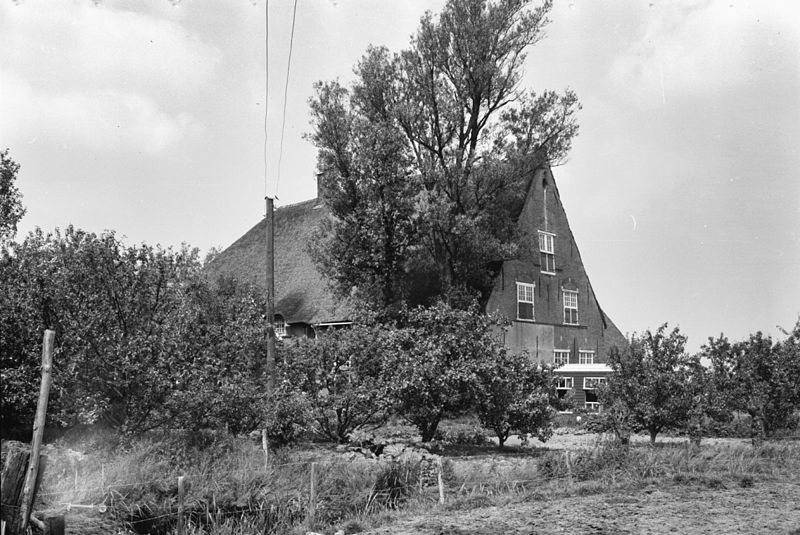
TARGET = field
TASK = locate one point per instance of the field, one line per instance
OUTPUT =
(576, 482)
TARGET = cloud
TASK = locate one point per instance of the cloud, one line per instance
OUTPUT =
(99, 76)
(703, 47)
(97, 119)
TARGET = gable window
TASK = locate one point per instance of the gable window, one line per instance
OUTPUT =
(547, 252)
(590, 385)
(570, 307)
(279, 326)
(585, 357)
(561, 357)
(525, 301)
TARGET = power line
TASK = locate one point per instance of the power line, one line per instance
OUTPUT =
(285, 95)
(266, 92)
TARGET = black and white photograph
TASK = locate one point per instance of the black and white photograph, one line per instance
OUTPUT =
(435, 267)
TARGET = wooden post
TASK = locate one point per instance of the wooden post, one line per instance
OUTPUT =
(265, 447)
(181, 530)
(312, 502)
(54, 525)
(568, 461)
(270, 368)
(29, 490)
(16, 464)
(440, 480)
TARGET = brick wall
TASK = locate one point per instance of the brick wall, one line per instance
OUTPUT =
(594, 332)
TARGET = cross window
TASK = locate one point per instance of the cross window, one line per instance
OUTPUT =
(570, 307)
(561, 357)
(525, 301)
(547, 252)
(585, 357)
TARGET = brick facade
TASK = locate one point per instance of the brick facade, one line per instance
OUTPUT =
(551, 329)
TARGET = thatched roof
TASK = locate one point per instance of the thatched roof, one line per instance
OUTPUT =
(301, 292)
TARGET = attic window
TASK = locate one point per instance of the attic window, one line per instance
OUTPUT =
(570, 307)
(279, 326)
(525, 301)
(560, 357)
(547, 250)
(585, 357)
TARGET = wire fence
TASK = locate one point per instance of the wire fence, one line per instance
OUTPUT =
(308, 488)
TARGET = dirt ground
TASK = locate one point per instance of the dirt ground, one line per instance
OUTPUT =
(766, 507)
(568, 439)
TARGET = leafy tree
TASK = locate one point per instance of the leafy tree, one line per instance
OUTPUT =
(647, 384)
(432, 361)
(11, 209)
(367, 183)
(759, 378)
(141, 340)
(446, 129)
(516, 395)
(339, 374)
(705, 399)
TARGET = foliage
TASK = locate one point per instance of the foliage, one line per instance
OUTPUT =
(425, 161)
(141, 339)
(339, 373)
(11, 209)
(432, 362)
(287, 415)
(759, 378)
(648, 379)
(516, 395)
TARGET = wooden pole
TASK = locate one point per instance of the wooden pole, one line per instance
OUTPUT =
(54, 525)
(29, 490)
(265, 447)
(181, 530)
(270, 368)
(440, 480)
(312, 501)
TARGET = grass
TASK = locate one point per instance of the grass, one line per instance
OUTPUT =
(230, 491)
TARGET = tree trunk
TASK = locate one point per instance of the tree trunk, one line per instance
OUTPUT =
(653, 433)
(757, 429)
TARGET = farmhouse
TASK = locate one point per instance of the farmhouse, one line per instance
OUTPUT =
(545, 292)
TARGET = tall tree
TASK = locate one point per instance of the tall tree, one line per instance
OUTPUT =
(465, 139)
(11, 209)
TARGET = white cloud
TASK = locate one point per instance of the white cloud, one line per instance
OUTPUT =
(103, 119)
(702, 47)
(75, 45)
(99, 76)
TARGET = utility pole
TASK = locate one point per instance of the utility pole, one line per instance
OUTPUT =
(270, 368)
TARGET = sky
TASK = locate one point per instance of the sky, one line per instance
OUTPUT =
(682, 188)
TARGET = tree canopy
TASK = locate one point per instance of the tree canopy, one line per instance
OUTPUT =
(425, 160)
(11, 208)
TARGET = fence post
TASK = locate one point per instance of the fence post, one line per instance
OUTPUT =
(312, 502)
(265, 447)
(181, 530)
(569, 468)
(440, 480)
(29, 490)
(54, 525)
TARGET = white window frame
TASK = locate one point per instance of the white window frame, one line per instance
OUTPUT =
(563, 382)
(279, 326)
(560, 357)
(592, 406)
(570, 300)
(547, 250)
(586, 356)
(525, 291)
(590, 383)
